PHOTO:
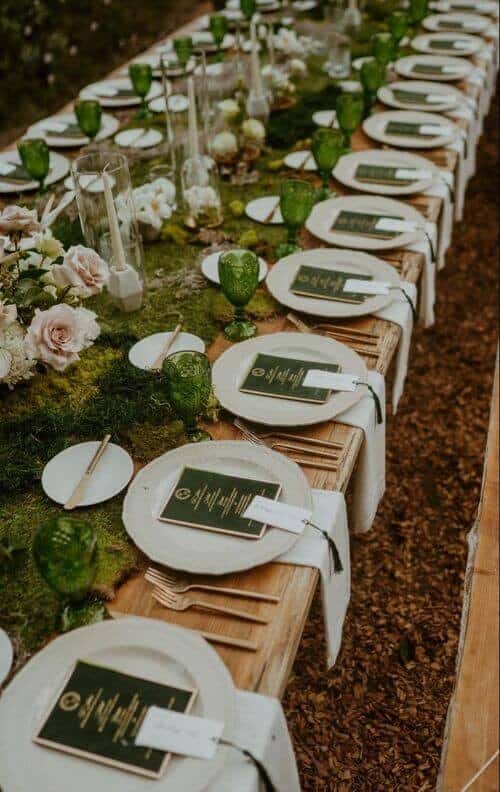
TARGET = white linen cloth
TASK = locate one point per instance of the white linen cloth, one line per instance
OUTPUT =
(369, 477)
(312, 550)
(261, 728)
(428, 283)
(442, 188)
(399, 312)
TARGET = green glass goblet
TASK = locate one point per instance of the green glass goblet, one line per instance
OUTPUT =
(141, 77)
(89, 115)
(417, 11)
(65, 553)
(349, 107)
(296, 202)
(372, 77)
(218, 28)
(398, 27)
(248, 8)
(383, 49)
(326, 146)
(35, 157)
(239, 278)
(183, 46)
(189, 384)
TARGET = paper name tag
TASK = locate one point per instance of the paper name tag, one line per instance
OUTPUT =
(439, 98)
(463, 45)
(435, 129)
(366, 286)
(55, 126)
(106, 90)
(450, 69)
(315, 378)
(412, 173)
(6, 168)
(390, 224)
(280, 515)
(188, 735)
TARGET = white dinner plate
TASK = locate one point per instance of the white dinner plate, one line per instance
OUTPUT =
(323, 215)
(375, 127)
(456, 23)
(58, 168)
(203, 40)
(421, 67)
(209, 267)
(231, 368)
(6, 655)
(301, 160)
(108, 92)
(64, 471)
(283, 273)
(326, 118)
(471, 6)
(52, 130)
(139, 138)
(347, 165)
(177, 103)
(172, 66)
(304, 5)
(194, 549)
(444, 97)
(461, 45)
(146, 648)
(144, 353)
(259, 209)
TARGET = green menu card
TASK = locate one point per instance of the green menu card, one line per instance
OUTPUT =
(404, 128)
(215, 502)
(17, 174)
(326, 284)
(363, 224)
(72, 130)
(380, 174)
(410, 97)
(98, 713)
(427, 68)
(281, 377)
(443, 44)
(450, 24)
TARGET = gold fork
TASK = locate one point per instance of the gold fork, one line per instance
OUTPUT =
(179, 584)
(256, 440)
(316, 441)
(354, 343)
(181, 602)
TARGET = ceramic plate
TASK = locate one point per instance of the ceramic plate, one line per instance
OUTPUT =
(444, 97)
(326, 118)
(209, 267)
(300, 160)
(109, 92)
(375, 128)
(10, 160)
(323, 215)
(232, 366)
(466, 5)
(260, 208)
(144, 353)
(456, 23)
(52, 130)
(203, 40)
(6, 655)
(447, 44)
(113, 472)
(416, 67)
(284, 271)
(304, 5)
(172, 67)
(177, 103)
(140, 138)
(346, 168)
(196, 550)
(147, 648)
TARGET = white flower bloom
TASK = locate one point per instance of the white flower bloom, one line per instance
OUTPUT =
(224, 144)
(297, 67)
(34, 260)
(18, 219)
(8, 314)
(154, 202)
(57, 335)
(229, 109)
(82, 268)
(254, 130)
(48, 245)
(201, 199)
(16, 362)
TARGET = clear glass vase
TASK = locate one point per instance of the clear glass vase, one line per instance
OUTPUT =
(202, 203)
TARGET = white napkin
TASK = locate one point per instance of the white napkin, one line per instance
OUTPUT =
(6, 168)
(369, 477)
(105, 90)
(312, 550)
(428, 286)
(260, 727)
(400, 313)
(442, 188)
(458, 145)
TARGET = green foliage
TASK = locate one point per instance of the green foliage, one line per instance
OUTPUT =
(286, 127)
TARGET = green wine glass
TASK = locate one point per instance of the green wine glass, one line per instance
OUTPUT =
(296, 203)
(189, 384)
(383, 49)
(218, 28)
(398, 27)
(35, 157)
(183, 46)
(141, 77)
(239, 278)
(372, 78)
(248, 8)
(417, 11)
(326, 147)
(350, 108)
(89, 116)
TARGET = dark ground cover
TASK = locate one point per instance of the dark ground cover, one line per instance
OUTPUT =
(376, 722)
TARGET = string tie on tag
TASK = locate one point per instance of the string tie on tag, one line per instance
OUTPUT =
(429, 240)
(261, 770)
(408, 298)
(378, 406)
(332, 547)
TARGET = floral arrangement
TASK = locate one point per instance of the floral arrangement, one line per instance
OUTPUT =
(289, 43)
(154, 203)
(241, 137)
(42, 287)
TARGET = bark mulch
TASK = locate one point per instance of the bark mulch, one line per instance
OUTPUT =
(376, 721)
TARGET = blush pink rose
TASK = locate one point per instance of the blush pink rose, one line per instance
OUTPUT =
(82, 269)
(18, 219)
(57, 335)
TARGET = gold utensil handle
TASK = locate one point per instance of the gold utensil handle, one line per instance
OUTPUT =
(230, 611)
(158, 362)
(318, 465)
(302, 450)
(80, 488)
(270, 215)
(309, 440)
(239, 643)
(257, 595)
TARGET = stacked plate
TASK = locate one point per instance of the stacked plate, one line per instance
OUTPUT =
(410, 129)
(14, 178)
(117, 92)
(385, 172)
(456, 23)
(443, 68)
(420, 95)
(62, 131)
(447, 44)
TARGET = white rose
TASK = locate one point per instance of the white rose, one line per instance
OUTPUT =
(224, 144)
(16, 362)
(18, 219)
(254, 130)
(57, 335)
(229, 109)
(8, 314)
(83, 268)
(297, 67)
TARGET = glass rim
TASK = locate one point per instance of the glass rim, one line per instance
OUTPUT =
(78, 165)
(195, 353)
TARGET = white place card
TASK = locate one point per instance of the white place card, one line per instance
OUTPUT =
(392, 224)
(6, 168)
(187, 735)
(55, 126)
(450, 69)
(435, 129)
(439, 98)
(316, 378)
(354, 286)
(280, 515)
(105, 90)
(412, 173)
(461, 45)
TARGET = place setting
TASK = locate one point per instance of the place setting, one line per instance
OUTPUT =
(31, 167)
(119, 92)
(442, 68)
(438, 44)
(65, 130)
(386, 172)
(410, 129)
(456, 22)
(420, 95)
